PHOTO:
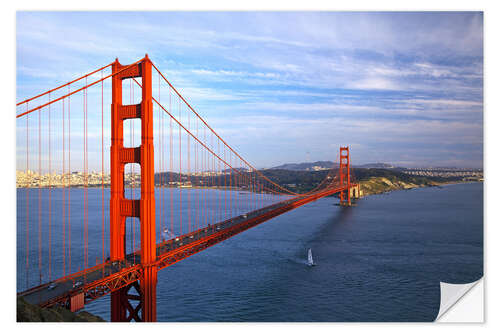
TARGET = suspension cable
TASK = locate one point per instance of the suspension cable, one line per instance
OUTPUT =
(80, 89)
(222, 140)
(63, 85)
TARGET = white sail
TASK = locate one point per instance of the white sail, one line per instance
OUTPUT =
(310, 261)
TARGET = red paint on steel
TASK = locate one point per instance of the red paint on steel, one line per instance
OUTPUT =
(40, 197)
(117, 220)
(27, 201)
(77, 302)
(344, 175)
(69, 178)
(147, 201)
(78, 90)
(146, 212)
(50, 201)
(102, 170)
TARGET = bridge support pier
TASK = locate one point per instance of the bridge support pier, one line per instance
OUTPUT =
(144, 208)
(356, 192)
(118, 311)
(148, 293)
(353, 192)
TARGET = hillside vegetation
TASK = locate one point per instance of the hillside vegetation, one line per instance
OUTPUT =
(372, 180)
(27, 312)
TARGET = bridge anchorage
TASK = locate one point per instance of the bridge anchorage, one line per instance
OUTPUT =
(240, 196)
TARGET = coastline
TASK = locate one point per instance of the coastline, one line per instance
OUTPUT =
(380, 185)
(27, 312)
(372, 186)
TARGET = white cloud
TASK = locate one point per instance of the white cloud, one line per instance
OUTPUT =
(397, 78)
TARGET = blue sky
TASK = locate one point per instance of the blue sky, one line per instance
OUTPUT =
(403, 88)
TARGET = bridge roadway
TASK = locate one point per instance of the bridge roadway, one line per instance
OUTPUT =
(104, 278)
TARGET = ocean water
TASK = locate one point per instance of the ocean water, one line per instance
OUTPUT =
(381, 260)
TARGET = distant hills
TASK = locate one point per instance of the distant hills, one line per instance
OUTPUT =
(376, 166)
(322, 165)
(306, 166)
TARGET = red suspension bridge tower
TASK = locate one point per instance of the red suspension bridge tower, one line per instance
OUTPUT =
(344, 175)
(144, 208)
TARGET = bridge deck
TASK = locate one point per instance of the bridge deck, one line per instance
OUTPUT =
(102, 279)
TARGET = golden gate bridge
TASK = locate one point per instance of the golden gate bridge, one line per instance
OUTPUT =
(145, 225)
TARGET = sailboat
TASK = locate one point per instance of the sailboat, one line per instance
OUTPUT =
(310, 261)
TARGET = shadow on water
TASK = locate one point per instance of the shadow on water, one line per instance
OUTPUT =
(340, 219)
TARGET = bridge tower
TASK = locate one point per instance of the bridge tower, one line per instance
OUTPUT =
(345, 176)
(144, 208)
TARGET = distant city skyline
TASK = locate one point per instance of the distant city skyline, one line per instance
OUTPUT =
(400, 88)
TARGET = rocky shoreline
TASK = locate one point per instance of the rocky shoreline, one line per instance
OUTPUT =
(27, 312)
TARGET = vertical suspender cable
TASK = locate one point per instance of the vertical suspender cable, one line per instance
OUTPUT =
(164, 165)
(238, 186)
(235, 185)
(133, 172)
(196, 213)
(87, 170)
(230, 187)
(254, 204)
(40, 196)
(214, 195)
(102, 170)
(188, 172)
(171, 168)
(50, 201)
(205, 178)
(225, 188)
(210, 181)
(64, 191)
(180, 170)
(28, 176)
(84, 199)
(85, 177)
(69, 180)
(219, 181)
(131, 178)
(163, 168)
(235, 192)
(202, 185)
(132, 124)
(212, 178)
(160, 164)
